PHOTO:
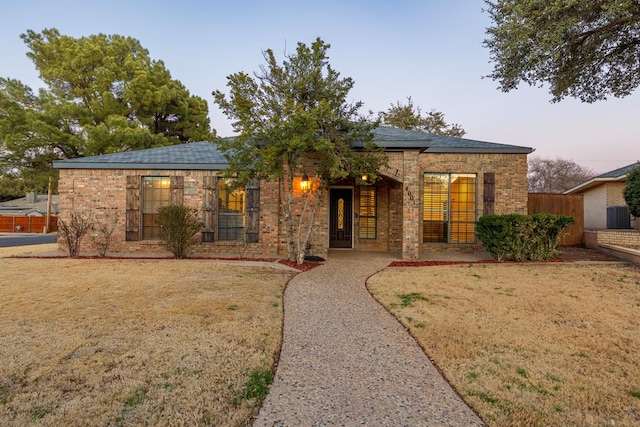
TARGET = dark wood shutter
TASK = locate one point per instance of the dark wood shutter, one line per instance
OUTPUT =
(209, 204)
(252, 211)
(133, 208)
(176, 187)
(489, 193)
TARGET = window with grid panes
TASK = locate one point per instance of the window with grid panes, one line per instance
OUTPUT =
(449, 208)
(367, 214)
(155, 193)
(231, 208)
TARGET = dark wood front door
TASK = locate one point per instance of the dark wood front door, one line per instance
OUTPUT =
(340, 217)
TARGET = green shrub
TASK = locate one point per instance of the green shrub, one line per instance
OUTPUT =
(178, 226)
(631, 192)
(522, 237)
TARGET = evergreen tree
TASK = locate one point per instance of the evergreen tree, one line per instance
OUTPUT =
(102, 94)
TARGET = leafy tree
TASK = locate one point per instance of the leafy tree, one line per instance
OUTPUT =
(408, 116)
(631, 192)
(102, 94)
(582, 49)
(556, 175)
(290, 116)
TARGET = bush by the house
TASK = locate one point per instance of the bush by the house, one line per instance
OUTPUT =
(522, 237)
(72, 232)
(103, 233)
(631, 192)
(178, 225)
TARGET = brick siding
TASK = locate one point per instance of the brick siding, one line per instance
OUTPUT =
(102, 194)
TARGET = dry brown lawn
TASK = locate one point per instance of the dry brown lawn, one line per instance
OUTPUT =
(134, 342)
(528, 344)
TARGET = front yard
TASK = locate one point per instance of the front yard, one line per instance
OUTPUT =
(126, 342)
(167, 342)
(528, 344)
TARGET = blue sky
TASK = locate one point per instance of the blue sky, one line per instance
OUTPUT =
(429, 50)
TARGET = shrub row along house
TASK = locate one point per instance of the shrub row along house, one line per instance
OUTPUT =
(432, 191)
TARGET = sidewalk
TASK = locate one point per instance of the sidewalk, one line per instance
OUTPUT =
(346, 361)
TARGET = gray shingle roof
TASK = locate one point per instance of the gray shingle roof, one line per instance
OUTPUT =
(398, 139)
(205, 155)
(616, 175)
(193, 156)
(620, 171)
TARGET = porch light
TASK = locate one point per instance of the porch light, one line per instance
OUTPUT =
(305, 184)
(365, 177)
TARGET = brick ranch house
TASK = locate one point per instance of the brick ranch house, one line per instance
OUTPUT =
(430, 195)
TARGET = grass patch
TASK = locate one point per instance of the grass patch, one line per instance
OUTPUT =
(136, 398)
(256, 388)
(485, 397)
(407, 300)
(471, 376)
(520, 320)
(39, 412)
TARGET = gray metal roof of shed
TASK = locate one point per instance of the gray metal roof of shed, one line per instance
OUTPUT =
(206, 156)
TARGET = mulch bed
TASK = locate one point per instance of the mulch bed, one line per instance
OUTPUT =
(305, 266)
(427, 263)
(142, 258)
(568, 254)
(575, 253)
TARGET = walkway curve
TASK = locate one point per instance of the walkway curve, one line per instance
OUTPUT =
(346, 361)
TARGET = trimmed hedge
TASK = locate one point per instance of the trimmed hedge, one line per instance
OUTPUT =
(522, 237)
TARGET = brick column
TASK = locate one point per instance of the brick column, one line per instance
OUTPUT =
(410, 206)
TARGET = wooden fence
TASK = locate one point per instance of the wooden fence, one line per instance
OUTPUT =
(26, 224)
(561, 204)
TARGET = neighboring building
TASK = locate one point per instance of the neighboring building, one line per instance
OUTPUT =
(31, 205)
(28, 214)
(429, 197)
(604, 204)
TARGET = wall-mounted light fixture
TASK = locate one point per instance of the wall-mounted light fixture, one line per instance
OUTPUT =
(305, 184)
(365, 177)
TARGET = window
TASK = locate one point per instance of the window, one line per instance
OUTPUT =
(449, 206)
(156, 192)
(367, 213)
(231, 219)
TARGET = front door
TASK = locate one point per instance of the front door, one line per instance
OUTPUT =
(340, 217)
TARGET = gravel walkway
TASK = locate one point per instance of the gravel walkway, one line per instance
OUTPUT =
(346, 361)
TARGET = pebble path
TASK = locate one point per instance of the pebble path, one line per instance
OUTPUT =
(346, 361)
